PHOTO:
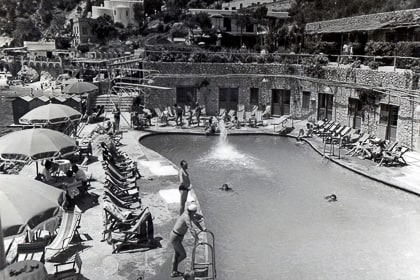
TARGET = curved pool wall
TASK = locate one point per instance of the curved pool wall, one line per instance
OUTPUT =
(277, 224)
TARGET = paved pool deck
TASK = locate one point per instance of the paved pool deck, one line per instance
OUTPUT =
(158, 189)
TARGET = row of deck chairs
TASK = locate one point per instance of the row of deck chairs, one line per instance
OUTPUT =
(127, 222)
(359, 144)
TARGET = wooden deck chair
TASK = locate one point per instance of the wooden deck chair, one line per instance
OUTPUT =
(231, 114)
(240, 115)
(221, 112)
(163, 119)
(141, 232)
(171, 113)
(258, 116)
(127, 202)
(31, 251)
(267, 112)
(121, 191)
(396, 157)
(69, 270)
(247, 117)
(70, 222)
(254, 109)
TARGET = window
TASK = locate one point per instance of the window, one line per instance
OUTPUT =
(306, 99)
(253, 99)
(126, 13)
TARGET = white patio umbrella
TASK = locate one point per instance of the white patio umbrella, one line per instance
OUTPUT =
(26, 202)
(35, 144)
(50, 113)
(79, 88)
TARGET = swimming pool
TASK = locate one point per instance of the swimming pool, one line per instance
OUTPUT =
(277, 224)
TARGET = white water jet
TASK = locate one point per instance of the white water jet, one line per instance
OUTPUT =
(226, 154)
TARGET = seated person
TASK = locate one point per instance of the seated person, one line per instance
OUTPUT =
(71, 186)
(235, 123)
(252, 121)
(307, 134)
(46, 172)
(81, 177)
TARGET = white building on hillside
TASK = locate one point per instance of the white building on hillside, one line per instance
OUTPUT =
(241, 4)
(121, 11)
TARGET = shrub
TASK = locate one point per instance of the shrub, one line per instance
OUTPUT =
(373, 65)
(379, 48)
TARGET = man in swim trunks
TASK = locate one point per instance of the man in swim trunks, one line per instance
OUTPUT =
(183, 223)
(184, 184)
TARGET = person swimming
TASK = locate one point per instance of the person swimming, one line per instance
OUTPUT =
(331, 198)
(225, 187)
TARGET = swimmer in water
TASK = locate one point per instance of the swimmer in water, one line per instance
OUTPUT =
(226, 188)
(331, 198)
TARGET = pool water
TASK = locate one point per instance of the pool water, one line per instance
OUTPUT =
(277, 224)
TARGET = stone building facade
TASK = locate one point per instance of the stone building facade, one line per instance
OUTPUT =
(383, 103)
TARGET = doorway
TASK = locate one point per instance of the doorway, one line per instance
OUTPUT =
(325, 106)
(355, 113)
(228, 98)
(280, 102)
(388, 120)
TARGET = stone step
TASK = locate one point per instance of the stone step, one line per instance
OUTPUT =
(124, 103)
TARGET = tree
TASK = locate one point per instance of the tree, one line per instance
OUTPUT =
(104, 28)
(25, 31)
(139, 14)
(152, 6)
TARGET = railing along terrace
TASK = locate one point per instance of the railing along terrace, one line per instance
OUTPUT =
(205, 56)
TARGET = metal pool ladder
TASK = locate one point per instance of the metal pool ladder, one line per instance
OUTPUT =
(207, 269)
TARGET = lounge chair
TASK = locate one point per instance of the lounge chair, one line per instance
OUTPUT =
(117, 218)
(258, 116)
(127, 202)
(71, 270)
(162, 118)
(70, 222)
(123, 183)
(395, 157)
(339, 135)
(141, 232)
(221, 113)
(267, 112)
(120, 191)
(240, 115)
(326, 125)
(31, 251)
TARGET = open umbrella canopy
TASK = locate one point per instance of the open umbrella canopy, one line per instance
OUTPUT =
(26, 202)
(79, 88)
(50, 113)
(35, 144)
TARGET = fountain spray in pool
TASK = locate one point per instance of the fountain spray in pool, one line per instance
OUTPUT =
(226, 154)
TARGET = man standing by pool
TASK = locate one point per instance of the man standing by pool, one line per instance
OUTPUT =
(183, 223)
(184, 184)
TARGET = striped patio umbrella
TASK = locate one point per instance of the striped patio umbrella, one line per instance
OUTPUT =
(50, 113)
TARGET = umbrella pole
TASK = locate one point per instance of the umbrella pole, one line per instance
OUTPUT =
(37, 168)
(3, 263)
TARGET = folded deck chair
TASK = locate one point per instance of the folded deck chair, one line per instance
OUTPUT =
(221, 112)
(31, 251)
(69, 225)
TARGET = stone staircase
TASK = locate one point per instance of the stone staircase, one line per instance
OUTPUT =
(107, 100)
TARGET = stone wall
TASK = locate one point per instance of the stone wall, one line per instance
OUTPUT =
(363, 20)
(337, 81)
